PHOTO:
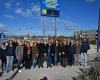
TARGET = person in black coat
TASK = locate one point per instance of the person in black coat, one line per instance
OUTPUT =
(48, 54)
(64, 54)
(24, 53)
(84, 48)
(10, 52)
(15, 44)
(71, 53)
(52, 50)
(28, 61)
(57, 53)
(3, 56)
(41, 48)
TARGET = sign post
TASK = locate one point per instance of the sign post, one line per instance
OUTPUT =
(50, 8)
(43, 28)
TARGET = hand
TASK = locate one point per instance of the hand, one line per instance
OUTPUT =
(17, 57)
(59, 53)
(62, 52)
(52, 54)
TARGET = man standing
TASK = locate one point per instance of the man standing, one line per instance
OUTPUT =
(19, 55)
(48, 54)
(84, 48)
(77, 53)
(10, 55)
(41, 48)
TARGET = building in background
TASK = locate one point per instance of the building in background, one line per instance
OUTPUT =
(89, 34)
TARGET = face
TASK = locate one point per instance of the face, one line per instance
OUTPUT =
(25, 42)
(15, 40)
(56, 42)
(72, 42)
(10, 42)
(85, 40)
(20, 43)
(64, 42)
(77, 42)
(34, 44)
(28, 44)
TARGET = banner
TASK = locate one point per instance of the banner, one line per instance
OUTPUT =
(50, 8)
(98, 32)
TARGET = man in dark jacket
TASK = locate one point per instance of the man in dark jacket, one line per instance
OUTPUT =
(1, 55)
(52, 50)
(41, 48)
(48, 54)
(84, 48)
(10, 55)
(72, 49)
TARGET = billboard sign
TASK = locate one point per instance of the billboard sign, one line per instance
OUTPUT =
(50, 8)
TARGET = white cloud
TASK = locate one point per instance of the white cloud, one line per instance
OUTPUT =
(2, 25)
(9, 16)
(25, 13)
(8, 4)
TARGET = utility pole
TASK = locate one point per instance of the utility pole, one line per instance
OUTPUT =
(55, 28)
(43, 18)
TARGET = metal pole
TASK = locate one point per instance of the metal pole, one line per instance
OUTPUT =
(55, 28)
(43, 28)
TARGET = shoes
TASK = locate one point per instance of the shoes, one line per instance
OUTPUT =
(19, 70)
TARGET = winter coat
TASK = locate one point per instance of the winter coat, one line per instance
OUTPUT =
(78, 49)
(85, 47)
(35, 52)
(10, 51)
(19, 52)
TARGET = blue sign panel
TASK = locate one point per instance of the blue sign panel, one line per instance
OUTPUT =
(50, 8)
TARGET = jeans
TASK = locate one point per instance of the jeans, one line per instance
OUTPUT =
(84, 58)
(34, 62)
(77, 59)
(9, 62)
(49, 61)
(57, 58)
(19, 64)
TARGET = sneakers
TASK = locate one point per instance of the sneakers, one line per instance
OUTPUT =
(20, 70)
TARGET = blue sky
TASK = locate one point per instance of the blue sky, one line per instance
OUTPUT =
(23, 16)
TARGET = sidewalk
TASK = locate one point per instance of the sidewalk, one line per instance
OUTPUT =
(55, 73)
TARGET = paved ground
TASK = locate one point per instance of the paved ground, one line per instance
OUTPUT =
(55, 73)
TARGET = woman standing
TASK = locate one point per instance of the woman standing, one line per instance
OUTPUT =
(28, 62)
(35, 53)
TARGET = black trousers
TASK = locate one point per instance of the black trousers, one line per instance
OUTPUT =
(63, 62)
(53, 60)
(40, 61)
(3, 63)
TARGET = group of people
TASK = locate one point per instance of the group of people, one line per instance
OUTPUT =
(24, 54)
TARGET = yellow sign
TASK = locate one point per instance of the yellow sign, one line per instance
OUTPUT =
(44, 11)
